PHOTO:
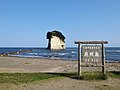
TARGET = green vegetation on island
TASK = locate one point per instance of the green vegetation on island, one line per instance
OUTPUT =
(56, 33)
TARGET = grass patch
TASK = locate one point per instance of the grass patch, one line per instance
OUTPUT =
(93, 76)
(85, 76)
(114, 74)
(99, 75)
(18, 78)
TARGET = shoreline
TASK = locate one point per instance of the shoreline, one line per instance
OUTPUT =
(18, 53)
(107, 61)
(16, 64)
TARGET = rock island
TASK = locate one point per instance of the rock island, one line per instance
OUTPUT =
(56, 40)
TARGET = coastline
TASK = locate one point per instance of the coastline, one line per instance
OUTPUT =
(112, 54)
(17, 64)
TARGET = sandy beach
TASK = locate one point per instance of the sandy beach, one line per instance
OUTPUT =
(14, 64)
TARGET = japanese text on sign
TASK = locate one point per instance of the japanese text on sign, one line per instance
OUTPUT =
(91, 53)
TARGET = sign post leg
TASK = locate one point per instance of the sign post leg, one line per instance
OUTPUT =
(103, 60)
(79, 60)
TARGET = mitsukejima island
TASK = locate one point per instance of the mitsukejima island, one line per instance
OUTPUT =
(56, 40)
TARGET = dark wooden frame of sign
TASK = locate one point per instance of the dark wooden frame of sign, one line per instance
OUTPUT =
(91, 42)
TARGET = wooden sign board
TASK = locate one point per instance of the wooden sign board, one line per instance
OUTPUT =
(91, 55)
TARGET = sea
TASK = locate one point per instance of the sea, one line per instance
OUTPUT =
(111, 53)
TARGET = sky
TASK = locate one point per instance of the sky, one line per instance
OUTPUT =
(25, 23)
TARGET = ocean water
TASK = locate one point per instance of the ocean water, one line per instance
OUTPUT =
(111, 53)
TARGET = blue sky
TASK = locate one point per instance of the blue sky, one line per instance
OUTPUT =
(25, 23)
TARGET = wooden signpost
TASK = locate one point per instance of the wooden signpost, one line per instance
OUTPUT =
(91, 54)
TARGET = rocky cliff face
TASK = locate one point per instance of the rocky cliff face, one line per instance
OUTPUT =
(56, 40)
(57, 43)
